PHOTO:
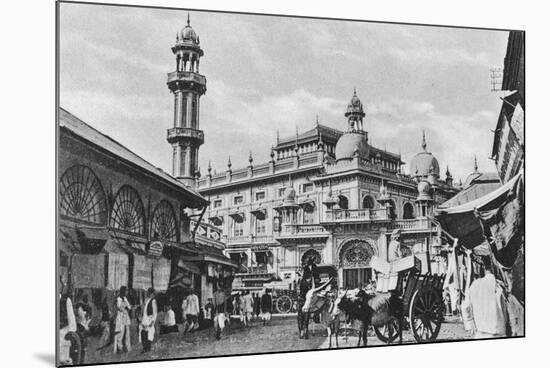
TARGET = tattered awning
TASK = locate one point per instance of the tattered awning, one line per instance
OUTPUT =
(460, 221)
(189, 266)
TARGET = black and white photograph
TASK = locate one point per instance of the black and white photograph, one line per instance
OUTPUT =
(232, 183)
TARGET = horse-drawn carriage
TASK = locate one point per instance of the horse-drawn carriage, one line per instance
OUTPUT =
(422, 304)
(404, 297)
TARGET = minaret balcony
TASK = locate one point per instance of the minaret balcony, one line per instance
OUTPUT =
(180, 80)
(178, 134)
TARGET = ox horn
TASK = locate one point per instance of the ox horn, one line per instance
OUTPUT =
(322, 286)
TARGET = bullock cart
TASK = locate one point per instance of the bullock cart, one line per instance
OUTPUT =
(422, 301)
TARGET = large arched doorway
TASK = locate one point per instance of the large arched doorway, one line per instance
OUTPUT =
(355, 258)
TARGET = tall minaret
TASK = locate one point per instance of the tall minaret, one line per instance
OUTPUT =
(188, 86)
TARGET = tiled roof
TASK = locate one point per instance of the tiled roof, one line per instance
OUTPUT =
(78, 127)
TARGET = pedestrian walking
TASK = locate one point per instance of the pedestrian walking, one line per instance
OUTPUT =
(247, 306)
(83, 318)
(208, 312)
(105, 324)
(257, 309)
(146, 329)
(488, 303)
(122, 322)
(190, 308)
(265, 305)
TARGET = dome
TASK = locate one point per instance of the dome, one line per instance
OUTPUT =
(355, 106)
(424, 164)
(424, 191)
(351, 144)
(188, 33)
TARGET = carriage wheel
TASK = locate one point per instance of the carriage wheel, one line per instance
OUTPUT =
(389, 332)
(425, 314)
(283, 304)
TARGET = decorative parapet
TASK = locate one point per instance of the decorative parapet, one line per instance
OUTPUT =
(367, 215)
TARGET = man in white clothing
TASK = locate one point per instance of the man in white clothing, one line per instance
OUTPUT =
(488, 305)
(146, 327)
(191, 310)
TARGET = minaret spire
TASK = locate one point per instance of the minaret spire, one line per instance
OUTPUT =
(424, 145)
(185, 137)
(475, 163)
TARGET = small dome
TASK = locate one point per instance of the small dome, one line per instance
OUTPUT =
(355, 106)
(351, 144)
(424, 164)
(424, 191)
(188, 33)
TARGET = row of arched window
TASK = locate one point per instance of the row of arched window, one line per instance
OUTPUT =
(81, 197)
(368, 202)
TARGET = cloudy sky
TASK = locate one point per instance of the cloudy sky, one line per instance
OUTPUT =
(267, 73)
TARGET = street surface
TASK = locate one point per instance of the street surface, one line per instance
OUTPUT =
(280, 336)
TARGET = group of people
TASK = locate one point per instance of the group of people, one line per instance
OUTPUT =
(113, 318)
(250, 306)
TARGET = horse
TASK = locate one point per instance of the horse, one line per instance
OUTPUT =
(318, 302)
(377, 310)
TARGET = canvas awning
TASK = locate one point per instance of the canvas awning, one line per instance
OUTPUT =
(189, 266)
(460, 221)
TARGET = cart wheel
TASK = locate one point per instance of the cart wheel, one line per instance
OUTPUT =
(283, 304)
(389, 332)
(425, 314)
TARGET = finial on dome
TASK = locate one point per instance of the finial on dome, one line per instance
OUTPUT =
(229, 162)
(188, 22)
(250, 159)
(355, 91)
(277, 136)
(475, 163)
(424, 145)
(272, 153)
(209, 167)
(317, 120)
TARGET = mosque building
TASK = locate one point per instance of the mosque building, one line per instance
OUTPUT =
(324, 194)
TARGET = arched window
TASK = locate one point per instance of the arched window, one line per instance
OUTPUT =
(343, 202)
(128, 213)
(81, 195)
(368, 202)
(163, 222)
(408, 211)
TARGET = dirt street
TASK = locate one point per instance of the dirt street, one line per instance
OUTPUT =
(280, 336)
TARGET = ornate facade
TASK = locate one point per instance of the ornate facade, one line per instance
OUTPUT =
(329, 195)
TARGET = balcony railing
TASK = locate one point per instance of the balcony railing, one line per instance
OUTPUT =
(248, 239)
(175, 134)
(303, 230)
(186, 76)
(413, 224)
(340, 215)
